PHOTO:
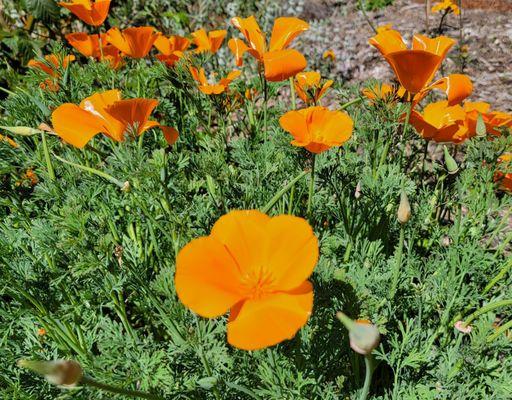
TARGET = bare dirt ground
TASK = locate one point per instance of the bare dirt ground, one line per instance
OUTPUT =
(487, 32)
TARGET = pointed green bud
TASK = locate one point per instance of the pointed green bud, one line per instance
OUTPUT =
(22, 130)
(65, 373)
(480, 126)
(451, 164)
(404, 209)
(364, 336)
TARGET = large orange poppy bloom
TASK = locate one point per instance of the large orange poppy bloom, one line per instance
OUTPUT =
(441, 123)
(504, 178)
(171, 48)
(493, 120)
(213, 88)
(317, 128)
(257, 267)
(106, 113)
(309, 88)
(52, 65)
(89, 46)
(279, 62)
(91, 12)
(208, 41)
(134, 42)
(414, 68)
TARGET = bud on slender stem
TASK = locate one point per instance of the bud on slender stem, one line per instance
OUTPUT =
(404, 209)
(65, 373)
(451, 164)
(364, 336)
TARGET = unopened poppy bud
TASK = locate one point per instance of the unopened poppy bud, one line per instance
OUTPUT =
(451, 164)
(404, 209)
(126, 187)
(364, 336)
(481, 130)
(65, 373)
(357, 193)
(21, 130)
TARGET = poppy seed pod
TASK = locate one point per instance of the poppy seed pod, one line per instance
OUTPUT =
(404, 209)
(364, 336)
(65, 373)
(451, 164)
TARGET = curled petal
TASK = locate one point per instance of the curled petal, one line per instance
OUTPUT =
(283, 64)
(388, 41)
(134, 114)
(238, 48)
(252, 33)
(285, 30)
(97, 104)
(456, 86)
(256, 324)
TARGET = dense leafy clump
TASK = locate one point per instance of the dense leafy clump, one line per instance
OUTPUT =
(87, 269)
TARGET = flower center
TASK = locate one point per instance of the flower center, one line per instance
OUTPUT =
(258, 283)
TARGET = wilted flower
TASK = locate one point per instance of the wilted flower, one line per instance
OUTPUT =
(66, 373)
(133, 42)
(317, 128)
(106, 113)
(279, 62)
(255, 266)
(309, 87)
(441, 123)
(91, 12)
(8, 140)
(213, 88)
(446, 6)
(208, 41)
(462, 327)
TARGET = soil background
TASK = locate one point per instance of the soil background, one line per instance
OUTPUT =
(487, 39)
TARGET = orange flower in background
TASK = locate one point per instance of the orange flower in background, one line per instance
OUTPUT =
(309, 88)
(414, 68)
(278, 62)
(213, 88)
(9, 141)
(441, 123)
(133, 42)
(52, 64)
(317, 128)
(255, 266)
(383, 91)
(446, 6)
(91, 12)
(89, 46)
(171, 48)
(384, 28)
(210, 41)
(493, 120)
(504, 178)
(329, 54)
(106, 113)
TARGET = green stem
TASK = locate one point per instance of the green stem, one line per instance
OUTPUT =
(86, 380)
(49, 165)
(292, 91)
(398, 263)
(502, 329)
(368, 20)
(498, 277)
(265, 107)
(350, 103)
(405, 128)
(281, 193)
(367, 377)
(102, 174)
(311, 186)
(487, 308)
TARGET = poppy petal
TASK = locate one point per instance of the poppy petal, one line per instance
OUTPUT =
(252, 33)
(259, 323)
(171, 134)
(207, 279)
(283, 64)
(387, 42)
(285, 30)
(238, 48)
(134, 114)
(295, 123)
(97, 104)
(64, 121)
(414, 68)
(456, 86)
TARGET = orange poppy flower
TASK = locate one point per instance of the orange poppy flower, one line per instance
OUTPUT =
(89, 46)
(309, 88)
(257, 267)
(52, 65)
(317, 128)
(384, 28)
(171, 48)
(414, 68)
(279, 62)
(441, 123)
(446, 6)
(134, 42)
(213, 88)
(493, 120)
(504, 178)
(92, 13)
(103, 113)
(9, 141)
(329, 54)
(382, 91)
(210, 41)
